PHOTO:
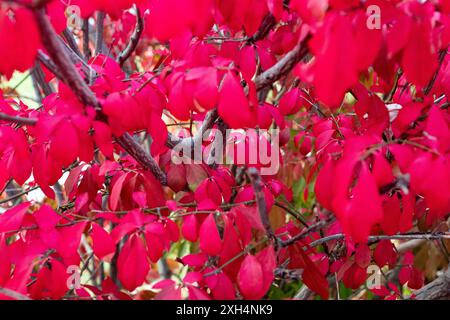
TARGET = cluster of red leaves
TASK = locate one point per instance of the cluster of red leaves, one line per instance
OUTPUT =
(366, 110)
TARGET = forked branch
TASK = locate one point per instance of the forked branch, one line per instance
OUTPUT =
(70, 75)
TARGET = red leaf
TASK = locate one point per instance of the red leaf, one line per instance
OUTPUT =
(103, 243)
(132, 263)
(268, 263)
(176, 177)
(232, 102)
(190, 228)
(250, 278)
(69, 242)
(16, 54)
(364, 210)
(355, 276)
(210, 241)
(362, 255)
(12, 219)
(313, 278)
(290, 103)
(419, 48)
(385, 254)
(116, 190)
(221, 287)
(248, 62)
(195, 260)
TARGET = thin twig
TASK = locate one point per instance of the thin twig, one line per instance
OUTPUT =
(19, 195)
(49, 64)
(390, 95)
(302, 235)
(407, 236)
(39, 77)
(260, 198)
(86, 50)
(130, 145)
(68, 35)
(284, 66)
(13, 294)
(267, 24)
(99, 33)
(429, 87)
(17, 120)
(207, 124)
(134, 40)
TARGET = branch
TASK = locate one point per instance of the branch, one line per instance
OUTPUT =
(49, 64)
(39, 77)
(284, 66)
(58, 53)
(207, 124)
(99, 33)
(304, 293)
(429, 87)
(438, 289)
(134, 40)
(407, 236)
(68, 35)
(260, 198)
(17, 120)
(72, 77)
(268, 23)
(87, 69)
(410, 245)
(86, 50)
(130, 145)
(302, 235)
(390, 95)
(13, 294)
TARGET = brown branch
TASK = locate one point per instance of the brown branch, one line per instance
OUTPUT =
(304, 293)
(292, 212)
(70, 75)
(130, 145)
(390, 95)
(39, 77)
(438, 289)
(268, 23)
(60, 56)
(86, 50)
(134, 40)
(68, 35)
(283, 66)
(373, 239)
(37, 4)
(260, 198)
(87, 69)
(36, 86)
(17, 120)
(302, 235)
(49, 64)
(207, 124)
(13, 294)
(18, 195)
(99, 33)
(429, 87)
(409, 245)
